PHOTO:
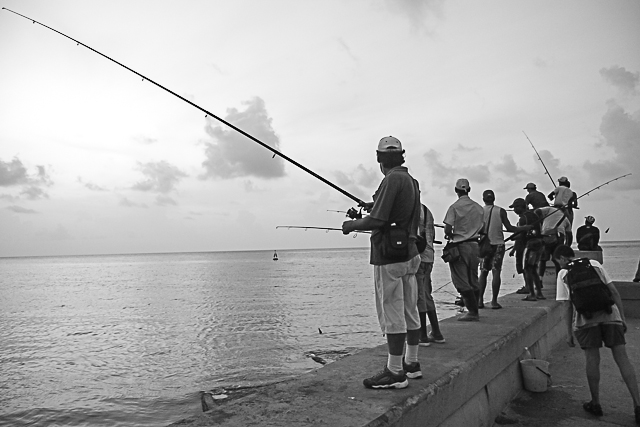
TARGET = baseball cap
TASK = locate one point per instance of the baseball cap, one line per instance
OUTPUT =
(518, 202)
(563, 179)
(389, 144)
(463, 184)
(590, 219)
(530, 185)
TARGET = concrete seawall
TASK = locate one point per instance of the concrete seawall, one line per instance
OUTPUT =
(467, 381)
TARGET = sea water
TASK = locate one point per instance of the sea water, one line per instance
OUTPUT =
(121, 340)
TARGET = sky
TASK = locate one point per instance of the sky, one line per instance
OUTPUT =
(95, 160)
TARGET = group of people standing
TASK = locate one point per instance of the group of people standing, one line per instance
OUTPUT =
(402, 273)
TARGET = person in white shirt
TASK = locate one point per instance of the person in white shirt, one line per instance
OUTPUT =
(594, 330)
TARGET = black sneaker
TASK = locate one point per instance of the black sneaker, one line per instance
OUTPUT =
(387, 379)
(523, 290)
(412, 370)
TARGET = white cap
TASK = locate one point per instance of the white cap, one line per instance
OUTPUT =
(463, 184)
(389, 144)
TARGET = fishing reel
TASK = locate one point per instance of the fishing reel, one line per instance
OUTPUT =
(354, 214)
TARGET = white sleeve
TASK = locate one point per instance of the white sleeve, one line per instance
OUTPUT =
(601, 271)
(562, 289)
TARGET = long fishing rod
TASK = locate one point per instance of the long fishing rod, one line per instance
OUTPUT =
(557, 208)
(327, 229)
(553, 182)
(208, 113)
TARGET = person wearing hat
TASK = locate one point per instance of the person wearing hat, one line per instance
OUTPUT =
(564, 198)
(535, 198)
(529, 249)
(462, 226)
(494, 218)
(588, 235)
(397, 200)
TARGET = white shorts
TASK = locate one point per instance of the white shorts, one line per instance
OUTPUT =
(397, 296)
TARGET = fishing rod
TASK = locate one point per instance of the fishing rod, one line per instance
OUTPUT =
(557, 208)
(328, 229)
(208, 113)
(553, 182)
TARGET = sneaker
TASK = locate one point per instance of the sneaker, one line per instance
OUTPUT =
(469, 318)
(424, 342)
(387, 379)
(438, 340)
(593, 408)
(412, 369)
(523, 290)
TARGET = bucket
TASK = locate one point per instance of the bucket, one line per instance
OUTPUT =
(535, 374)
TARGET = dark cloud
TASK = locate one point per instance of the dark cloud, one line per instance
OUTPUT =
(14, 174)
(620, 131)
(619, 77)
(445, 176)
(232, 154)
(161, 176)
(21, 210)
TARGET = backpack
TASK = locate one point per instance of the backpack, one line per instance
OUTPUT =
(588, 292)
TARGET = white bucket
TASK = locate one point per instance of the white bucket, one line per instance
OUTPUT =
(535, 374)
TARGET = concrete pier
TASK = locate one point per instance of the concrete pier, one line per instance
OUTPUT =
(467, 381)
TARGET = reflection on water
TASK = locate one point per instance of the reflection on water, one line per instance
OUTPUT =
(132, 339)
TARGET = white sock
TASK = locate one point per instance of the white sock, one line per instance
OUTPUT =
(412, 354)
(394, 363)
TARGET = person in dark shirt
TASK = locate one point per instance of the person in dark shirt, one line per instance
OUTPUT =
(529, 249)
(535, 198)
(588, 236)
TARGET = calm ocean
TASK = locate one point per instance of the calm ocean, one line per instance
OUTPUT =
(122, 340)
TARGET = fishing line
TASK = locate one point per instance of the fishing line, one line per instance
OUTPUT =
(553, 182)
(208, 113)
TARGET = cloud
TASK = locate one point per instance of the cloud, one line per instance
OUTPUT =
(129, 204)
(232, 154)
(445, 176)
(165, 201)
(91, 186)
(162, 177)
(620, 131)
(14, 173)
(419, 12)
(464, 148)
(21, 210)
(359, 180)
(33, 193)
(145, 140)
(619, 77)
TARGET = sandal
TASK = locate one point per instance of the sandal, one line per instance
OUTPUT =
(593, 408)
(529, 298)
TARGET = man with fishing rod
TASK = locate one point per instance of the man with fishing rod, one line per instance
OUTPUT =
(529, 250)
(393, 221)
(494, 218)
(564, 198)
